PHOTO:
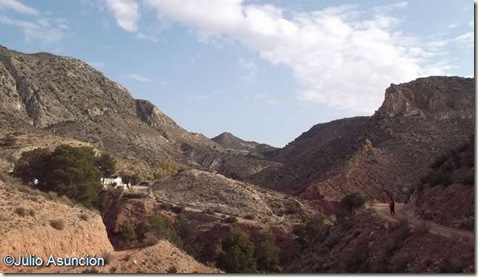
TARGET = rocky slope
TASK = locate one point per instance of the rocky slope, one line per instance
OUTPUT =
(35, 223)
(31, 223)
(367, 243)
(382, 155)
(446, 193)
(67, 97)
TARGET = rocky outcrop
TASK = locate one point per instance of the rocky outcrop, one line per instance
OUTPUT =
(382, 155)
(436, 97)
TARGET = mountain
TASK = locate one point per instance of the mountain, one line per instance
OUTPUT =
(231, 142)
(381, 155)
(67, 97)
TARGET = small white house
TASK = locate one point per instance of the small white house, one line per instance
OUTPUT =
(116, 183)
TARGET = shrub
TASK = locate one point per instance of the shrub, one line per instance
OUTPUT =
(83, 217)
(352, 201)
(172, 269)
(230, 219)
(127, 233)
(267, 253)
(187, 232)
(165, 168)
(310, 231)
(21, 211)
(237, 254)
(157, 226)
(8, 140)
(448, 266)
(179, 209)
(58, 224)
(356, 259)
(250, 217)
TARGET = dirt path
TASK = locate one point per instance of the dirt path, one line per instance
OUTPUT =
(383, 211)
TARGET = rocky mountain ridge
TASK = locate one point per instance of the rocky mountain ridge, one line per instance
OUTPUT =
(382, 155)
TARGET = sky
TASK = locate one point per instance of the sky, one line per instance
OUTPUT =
(263, 70)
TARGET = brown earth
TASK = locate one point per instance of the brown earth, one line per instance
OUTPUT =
(35, 223)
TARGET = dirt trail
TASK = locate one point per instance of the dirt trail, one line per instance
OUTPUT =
(383, 211)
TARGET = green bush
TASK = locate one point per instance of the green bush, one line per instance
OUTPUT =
(311, 231)
(267, 253)
(127, 233)
(68, 170)
(165, 168)
(189, 238)
(160, 227)
(237, 254)
(106, 164)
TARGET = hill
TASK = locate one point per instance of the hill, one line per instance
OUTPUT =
(381, 155)
(231, 142)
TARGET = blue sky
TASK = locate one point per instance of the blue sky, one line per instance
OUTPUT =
(263, 70)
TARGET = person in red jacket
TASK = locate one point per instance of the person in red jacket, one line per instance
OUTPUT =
(391, 204)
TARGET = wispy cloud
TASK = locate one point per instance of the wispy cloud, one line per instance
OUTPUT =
(341, 59)
(43, 31)
(139, 78)
(17, 7)
(126, 13)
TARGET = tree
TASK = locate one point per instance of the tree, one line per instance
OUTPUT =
(187, 232)
(127, 233)
(31, 165)
(310, 231)
(165, 168)
(68, 170)
(106, 164)
(237, 253)
(267, 253)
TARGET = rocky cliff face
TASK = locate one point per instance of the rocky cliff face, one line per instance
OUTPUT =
(382, 155)
(436, 97)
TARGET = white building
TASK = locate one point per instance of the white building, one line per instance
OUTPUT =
(116, 183)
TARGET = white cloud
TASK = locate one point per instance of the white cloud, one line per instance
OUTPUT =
(126, 13)
(343, 57)
(18, 7)
(139, 78)
(471, 23)
(465, 40)
(43, 32)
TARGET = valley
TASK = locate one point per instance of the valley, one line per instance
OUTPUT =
(316, 205)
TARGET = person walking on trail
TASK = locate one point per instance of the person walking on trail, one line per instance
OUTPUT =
(391, 204)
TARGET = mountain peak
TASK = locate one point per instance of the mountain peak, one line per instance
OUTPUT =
(435, 96)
